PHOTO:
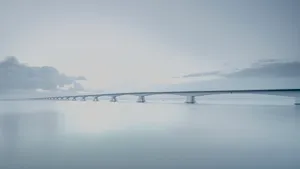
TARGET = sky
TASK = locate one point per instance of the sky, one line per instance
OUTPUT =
(138, 43)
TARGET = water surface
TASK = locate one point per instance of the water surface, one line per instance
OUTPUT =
(151, 135)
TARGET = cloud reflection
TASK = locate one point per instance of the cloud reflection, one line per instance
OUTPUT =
(19, 129)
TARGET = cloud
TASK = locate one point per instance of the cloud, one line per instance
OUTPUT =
(265, 74)
(272, 69)
(203, 74)
(263, 69)
(17, 76)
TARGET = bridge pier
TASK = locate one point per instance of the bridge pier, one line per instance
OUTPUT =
(190, 100)
(141, 99)
(74, 99)
(96, 99)
(83, 99)
(113, 99)
(297, 101)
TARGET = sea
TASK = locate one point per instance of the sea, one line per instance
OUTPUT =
(163, 133)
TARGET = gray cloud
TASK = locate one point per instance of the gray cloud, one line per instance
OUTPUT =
(202, 74)
(212, 73)
(269, 70)
(262, 69)
(14, 75)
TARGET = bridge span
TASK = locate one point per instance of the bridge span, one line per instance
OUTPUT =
(190, 95)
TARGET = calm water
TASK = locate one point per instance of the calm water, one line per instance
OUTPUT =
(129, 135)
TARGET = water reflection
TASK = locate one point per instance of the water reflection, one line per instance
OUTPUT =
(107, 118)
(19, 129)
(129, 135)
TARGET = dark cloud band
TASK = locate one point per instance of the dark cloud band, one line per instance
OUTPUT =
(261, 69)
(14, 75)
(269, 70)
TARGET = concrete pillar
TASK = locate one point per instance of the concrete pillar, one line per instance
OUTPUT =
(141, 99)
(113, 99)
(190, 99)
(74, 99)
(96, 99)
(83, 99)
(297, 101)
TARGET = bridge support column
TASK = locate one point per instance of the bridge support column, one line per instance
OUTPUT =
(74, 99)
(141, 99)
(83, 99)
(96, 99)
(297, 101)
(190, 100)
(113, 99)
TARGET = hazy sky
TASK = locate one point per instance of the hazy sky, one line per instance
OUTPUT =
(141, 42)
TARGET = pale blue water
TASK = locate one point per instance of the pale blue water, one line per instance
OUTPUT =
(243, 134)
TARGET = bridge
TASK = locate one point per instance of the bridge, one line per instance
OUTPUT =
(190, 95)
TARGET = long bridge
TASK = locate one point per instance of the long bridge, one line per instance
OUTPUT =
(190, 95)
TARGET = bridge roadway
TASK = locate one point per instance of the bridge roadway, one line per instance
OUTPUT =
(190, 95)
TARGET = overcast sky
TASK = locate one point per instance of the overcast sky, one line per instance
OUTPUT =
(144, 42)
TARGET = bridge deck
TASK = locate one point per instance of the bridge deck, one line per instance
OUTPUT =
(280, 92)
